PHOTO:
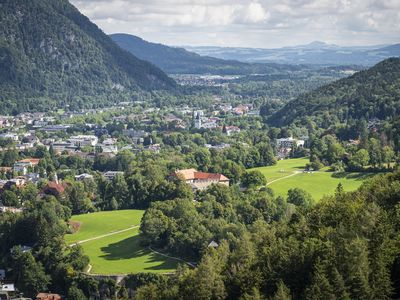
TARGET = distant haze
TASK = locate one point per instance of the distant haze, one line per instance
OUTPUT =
(249, 23)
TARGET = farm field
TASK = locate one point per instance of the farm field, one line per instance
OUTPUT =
(112, 242)
(288, 174)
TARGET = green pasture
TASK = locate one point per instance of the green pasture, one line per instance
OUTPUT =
(287, 174)
(114, 252)
(283, 168)
(99, 223)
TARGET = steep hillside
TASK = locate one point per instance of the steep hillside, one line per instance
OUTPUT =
(373, 93)
(180, 61)
(50, 54)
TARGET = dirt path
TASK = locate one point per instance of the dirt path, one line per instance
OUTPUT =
(293, 174)
(103, 235)
(172, 257)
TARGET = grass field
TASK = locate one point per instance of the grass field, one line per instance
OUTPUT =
(114, 252)
(283, 168)
(288, 174)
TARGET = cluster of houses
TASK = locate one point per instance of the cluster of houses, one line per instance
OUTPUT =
(55, 188)
(200, 121)
(8, 290)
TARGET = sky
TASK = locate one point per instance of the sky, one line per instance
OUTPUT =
(249, 23)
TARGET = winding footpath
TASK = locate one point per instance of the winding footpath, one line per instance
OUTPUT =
(124, 230)
(293, 174)
(172, 257)
(104, 235)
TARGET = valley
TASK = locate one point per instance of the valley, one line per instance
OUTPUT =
(248, 169)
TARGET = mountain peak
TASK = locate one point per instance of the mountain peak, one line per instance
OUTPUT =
(53, 53)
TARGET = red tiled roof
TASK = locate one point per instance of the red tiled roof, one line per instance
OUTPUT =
(54, 186)
(213, 176)
(33, 161)
(47, 296)
(192, 174)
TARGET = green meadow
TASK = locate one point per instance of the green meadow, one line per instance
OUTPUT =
(113, 244)
(287, 174)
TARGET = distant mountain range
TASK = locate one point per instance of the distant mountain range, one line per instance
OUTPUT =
(50, 55)
(313, 53)
(368, 94)
(175, 60)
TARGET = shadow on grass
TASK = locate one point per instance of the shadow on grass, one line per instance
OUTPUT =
(124, 249)
(353, 175)
(302, 167)
(131, 248)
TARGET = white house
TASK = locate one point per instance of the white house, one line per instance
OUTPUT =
(285, 145)
(84, 140)
(11, 136)
(83, 177)
(110, 175)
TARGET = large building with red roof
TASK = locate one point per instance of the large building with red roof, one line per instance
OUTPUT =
(201, 180)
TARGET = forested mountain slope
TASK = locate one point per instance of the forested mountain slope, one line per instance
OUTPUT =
(373, 93)
(180, 61)
(50, 51)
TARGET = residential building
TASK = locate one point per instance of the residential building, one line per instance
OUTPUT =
(84, 140)
(219, 147)
(48, 296)
(55, 128)
(229, 130)
(240, 110)
(285, 145)
(22, 166)
(11, 136)
(154, 148)
(137, 136)
(32, 177)
(60, 147)
(109, 146)
(83, 177)
(10, 209)
(289, 143)
(110, 175)
(7, 287)
(54, 188)
(40, 123)
(18, 182)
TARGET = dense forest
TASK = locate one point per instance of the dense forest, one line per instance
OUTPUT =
(51, 54)
(344, 247)
(373, 93)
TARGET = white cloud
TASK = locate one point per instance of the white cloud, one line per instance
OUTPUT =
(249, 23)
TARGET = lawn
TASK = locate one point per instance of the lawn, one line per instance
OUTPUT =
(117, 252)
(104, 222)
(317, 184)
(122, 254)
(283, 168)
